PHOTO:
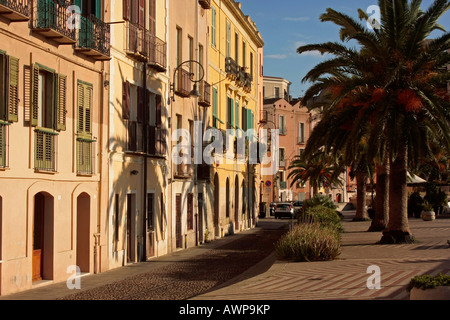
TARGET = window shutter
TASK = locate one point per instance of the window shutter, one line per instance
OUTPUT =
(158, 110)
(80, 107)
(249, 119)
(141, 14)
(34, 95)
(237, 114)
(61, 82)
(215, 102)
(126, 101)
(13, 89)
(88, 109)
(126, 9)
(98, 9)
(152, 17)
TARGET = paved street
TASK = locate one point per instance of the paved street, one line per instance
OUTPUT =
(243, 267)
(346, 277)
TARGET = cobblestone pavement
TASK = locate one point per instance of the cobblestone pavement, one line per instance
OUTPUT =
(177, 276)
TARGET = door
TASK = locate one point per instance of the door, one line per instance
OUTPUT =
(200, 217)
(179, 237)
(236, 204)
(38, 236)
(130, 219)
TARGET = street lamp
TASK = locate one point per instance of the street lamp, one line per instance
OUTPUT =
(194, 92)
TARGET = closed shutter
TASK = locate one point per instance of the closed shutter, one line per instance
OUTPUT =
(61, 83)
(158, 110)
(141, 14)
(126, 101)
(140, 105)
(12, 90)
(152, 17)
(34, 95)
(237, 115)
(126, 9)
(84, 102)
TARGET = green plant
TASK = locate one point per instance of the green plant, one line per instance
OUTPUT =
(319, 200)
(309, 242)
(428, 282)
(427, 206)
(322, 215)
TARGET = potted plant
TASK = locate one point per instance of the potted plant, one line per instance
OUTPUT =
(428, 213)
(428, 287)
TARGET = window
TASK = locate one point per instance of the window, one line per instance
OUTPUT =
(179, 46)
(191, 53)
(301, 132)
(116, 218)
(251, 65)
(152, 17)
(9, 84)
(244, 54)
(48, 114)
(228, 39)
(84, 128)
(282, 125)
(230, 113)
(213, 26)
(236, 49)
(215, 108)
(190, 211)
(277, 92)
(282, 158)
(236, 112)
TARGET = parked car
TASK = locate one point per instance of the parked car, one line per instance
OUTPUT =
(284, 209)
(273, 205)
(298, 206)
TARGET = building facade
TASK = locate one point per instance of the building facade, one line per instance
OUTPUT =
(235, 72)
(138, 133)
(277, 88)
(53, 135)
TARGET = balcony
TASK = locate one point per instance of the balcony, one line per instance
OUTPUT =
(15, 10)
(50, 20)
(4, 144)
(205, 94)
(205, 4)
(157, 53)
(157, 142)
(247, 82)
(283, 185)
(264, 116)
(241, 77)
(183, 83)
(231, 68)
(94, 38)
(45, 150)
(184, 171)
(136, 45)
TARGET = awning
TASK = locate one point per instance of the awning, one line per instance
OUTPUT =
(413, 179)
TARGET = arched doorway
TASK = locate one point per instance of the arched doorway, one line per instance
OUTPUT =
(43, 234)
(236, 203)
(83, 231)
(216, 201)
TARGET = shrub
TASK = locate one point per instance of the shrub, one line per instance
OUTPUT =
(309, 242)
(429, 282)
(319, 200)
(322, 215)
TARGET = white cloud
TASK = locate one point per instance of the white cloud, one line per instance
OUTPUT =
(297, 19)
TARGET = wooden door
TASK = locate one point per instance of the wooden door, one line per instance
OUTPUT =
(38, 237)
(236, 204)
(129, 223)
(179, 237)
(200, 217)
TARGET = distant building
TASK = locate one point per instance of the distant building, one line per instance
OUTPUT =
(277, 88)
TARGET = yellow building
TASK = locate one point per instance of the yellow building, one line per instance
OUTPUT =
(138, 132)
(53, 137)
(235, 74)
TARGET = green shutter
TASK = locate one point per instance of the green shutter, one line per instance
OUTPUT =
(214, 102)
(98, 9)
(84, 106)
(249, 119)
(213, 26)
(34, 95)
(61, 83)
(237, 115)
(12, 91)
(232, 113)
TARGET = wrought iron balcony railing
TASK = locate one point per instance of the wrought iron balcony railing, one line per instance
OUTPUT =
(205, 94)
(247, 82)
(184, 83)
(94, 38)
(134, 137)
(157, 141)
(45, 150)
(15, 10)
(231, 68)
(50, 19)
(157, 53)
(136, 45)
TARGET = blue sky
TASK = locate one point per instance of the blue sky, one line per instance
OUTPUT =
(286, 25)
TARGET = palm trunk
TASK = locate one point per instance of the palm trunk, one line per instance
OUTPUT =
(361, 212)
(398, 230)
(381, 218)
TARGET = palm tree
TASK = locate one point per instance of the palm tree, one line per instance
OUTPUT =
(319, 170)
(396, 69)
